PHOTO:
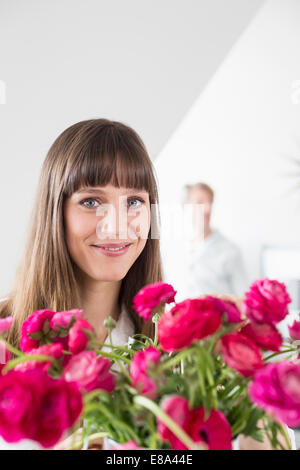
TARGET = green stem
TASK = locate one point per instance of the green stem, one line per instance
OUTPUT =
(169, 422)
(175, 360)
(278, 353)
(286, 437)
(156, 334)
(114, 356)
(11, 364)
(12, 349)
(98, 343)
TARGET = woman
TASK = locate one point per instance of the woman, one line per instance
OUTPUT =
(92, 165)
(88, 246)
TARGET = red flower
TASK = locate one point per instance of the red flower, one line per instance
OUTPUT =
(227, 308)
(35, 406)
(53, 350)
(151, 296)
(32, 332)
(178, 409)
(141, 363)
(187, 321)
(90, 372)
(214, 432)
(78, 339)
(264, 335)
(266, 302)
(241, 354)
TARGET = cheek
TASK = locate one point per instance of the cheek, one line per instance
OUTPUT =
(78, 227)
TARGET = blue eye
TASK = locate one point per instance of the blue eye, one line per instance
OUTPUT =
(135, 199)
(88, 201)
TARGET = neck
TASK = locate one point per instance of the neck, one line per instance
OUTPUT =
(99, 300)
(199, 239)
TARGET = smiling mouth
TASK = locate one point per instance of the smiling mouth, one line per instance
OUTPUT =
(113, 247)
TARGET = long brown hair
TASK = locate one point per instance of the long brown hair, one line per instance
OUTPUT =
(95, 152)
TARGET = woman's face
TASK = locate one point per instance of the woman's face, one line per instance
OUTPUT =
(105, 215)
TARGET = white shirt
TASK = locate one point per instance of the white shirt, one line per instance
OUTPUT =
(215, 266)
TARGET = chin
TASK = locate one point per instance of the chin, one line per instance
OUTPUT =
(111, 276)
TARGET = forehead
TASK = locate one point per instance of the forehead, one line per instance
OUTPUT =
(198, 193)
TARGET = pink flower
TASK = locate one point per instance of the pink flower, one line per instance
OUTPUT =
(264, 335)
(178, 409)
(295, 330)
(215, 432)
(130, 445)
(266, 302)
(151, 296)
(90, 372)
(53, 350)
(141, 364)
(227, 308)
(5, 324)
(5, 355)
(276, 389)
(241, 354)
(78, 339)
(64, 319)
(32, 333)
(187, 321)
(35, 406)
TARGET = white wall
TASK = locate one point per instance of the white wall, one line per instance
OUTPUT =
(142, 62)
(239, 136)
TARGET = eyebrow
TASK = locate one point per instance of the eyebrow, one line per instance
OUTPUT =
(102, 191)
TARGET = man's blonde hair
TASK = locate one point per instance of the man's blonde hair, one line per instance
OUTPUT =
(200, 185)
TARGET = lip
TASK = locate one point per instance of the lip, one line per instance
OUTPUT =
(101, 249)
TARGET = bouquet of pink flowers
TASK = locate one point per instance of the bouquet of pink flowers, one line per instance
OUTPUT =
(212, 372)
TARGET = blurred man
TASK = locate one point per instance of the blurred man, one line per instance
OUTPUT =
(214, 264)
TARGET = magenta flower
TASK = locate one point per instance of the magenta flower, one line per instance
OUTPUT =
(35, 406)
(265, 335)
(227, 308)
(241, 354)
(178, 409)
(33, 329)
(64, 319)
(266, 302)
(142, 362)
(130, 445)
(295, 330)
(276, 389)
(54, 350)
(5, 324)
(187, 321)
(78, 339)
(215, 432)
(90, 372)
(151, 296)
